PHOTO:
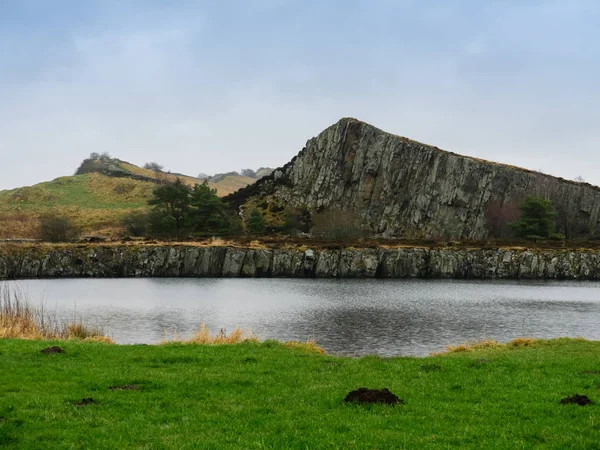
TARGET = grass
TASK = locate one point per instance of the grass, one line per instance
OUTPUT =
(95, 202)
(20, 319)
(270, 396)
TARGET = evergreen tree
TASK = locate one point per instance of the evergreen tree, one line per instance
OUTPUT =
(171, 208)
(537, 218)
(208, 211)
(256, 223)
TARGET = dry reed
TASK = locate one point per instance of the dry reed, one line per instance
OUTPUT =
(21, 320)
(205, 337)
(487, 344)
(308, 346)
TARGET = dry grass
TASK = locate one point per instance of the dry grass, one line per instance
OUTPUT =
(226, 186)
(20, 320)
(204, 337)
(487, 344)
(308, 346)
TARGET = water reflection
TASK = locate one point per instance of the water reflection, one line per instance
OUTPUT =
(353, 317)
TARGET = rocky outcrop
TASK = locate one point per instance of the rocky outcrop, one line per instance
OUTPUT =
(402, 188)
(190, 261)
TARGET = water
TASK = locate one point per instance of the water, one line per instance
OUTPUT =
(346, 317)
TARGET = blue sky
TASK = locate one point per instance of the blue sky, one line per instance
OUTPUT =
(213, 86)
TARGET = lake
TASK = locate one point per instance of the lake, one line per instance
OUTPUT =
(346, 317)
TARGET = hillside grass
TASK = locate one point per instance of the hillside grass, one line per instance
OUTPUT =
(272, 396)
(224, 187)
(94, 202)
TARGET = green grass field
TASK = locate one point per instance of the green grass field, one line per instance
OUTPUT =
(265, 395)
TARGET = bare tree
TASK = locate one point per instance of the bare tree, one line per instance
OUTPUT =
(498, 215)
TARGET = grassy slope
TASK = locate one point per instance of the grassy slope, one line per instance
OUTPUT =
(224, 187)
(95, 202)
(268, 396)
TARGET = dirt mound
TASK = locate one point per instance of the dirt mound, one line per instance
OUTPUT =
(125, 387)
(364, 395)
(52, 350)
(85, 402)
(576, 399)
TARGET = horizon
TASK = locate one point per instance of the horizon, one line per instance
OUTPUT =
(199, 87)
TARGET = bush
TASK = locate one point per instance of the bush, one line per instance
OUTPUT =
(55, 228)
(136, 223)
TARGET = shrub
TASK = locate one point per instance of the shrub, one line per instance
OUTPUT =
(55, 228)
(136, 223)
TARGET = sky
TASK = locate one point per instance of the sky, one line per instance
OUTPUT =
(215, 86)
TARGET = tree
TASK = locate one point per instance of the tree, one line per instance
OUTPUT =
(208, 211)
(579, 179)
(136, 223)
(105, 157)
(94, 156)
(54, 228)
(537, 218)
(171, 208)
(153, 166)
(255, 225)
(498, 216)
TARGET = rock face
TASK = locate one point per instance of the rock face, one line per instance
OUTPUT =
(402, 188)
(189, 261)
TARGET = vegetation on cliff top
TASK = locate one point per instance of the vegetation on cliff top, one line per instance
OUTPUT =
(267, 395)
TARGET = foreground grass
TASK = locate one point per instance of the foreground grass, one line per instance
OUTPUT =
(267, 395)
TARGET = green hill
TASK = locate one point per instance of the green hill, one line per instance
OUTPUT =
(96, 198)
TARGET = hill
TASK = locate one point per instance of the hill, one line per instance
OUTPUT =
(95, 198)
(398, 188)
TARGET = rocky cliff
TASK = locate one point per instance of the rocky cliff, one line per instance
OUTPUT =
(402, 188)
(190, 261)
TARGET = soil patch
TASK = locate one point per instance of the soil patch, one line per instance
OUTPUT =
(2, 420)
(431, 368)
(576, 399)
(85, 402)
(52, 350)
(364, 395)
(125, 387)
(590, 372)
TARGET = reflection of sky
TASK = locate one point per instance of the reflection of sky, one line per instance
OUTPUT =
(514, 81)
(388, 317)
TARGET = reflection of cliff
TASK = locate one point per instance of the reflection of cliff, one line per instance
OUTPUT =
(182, 261)
(403, 188)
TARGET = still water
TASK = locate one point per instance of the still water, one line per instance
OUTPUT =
(346, 317)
